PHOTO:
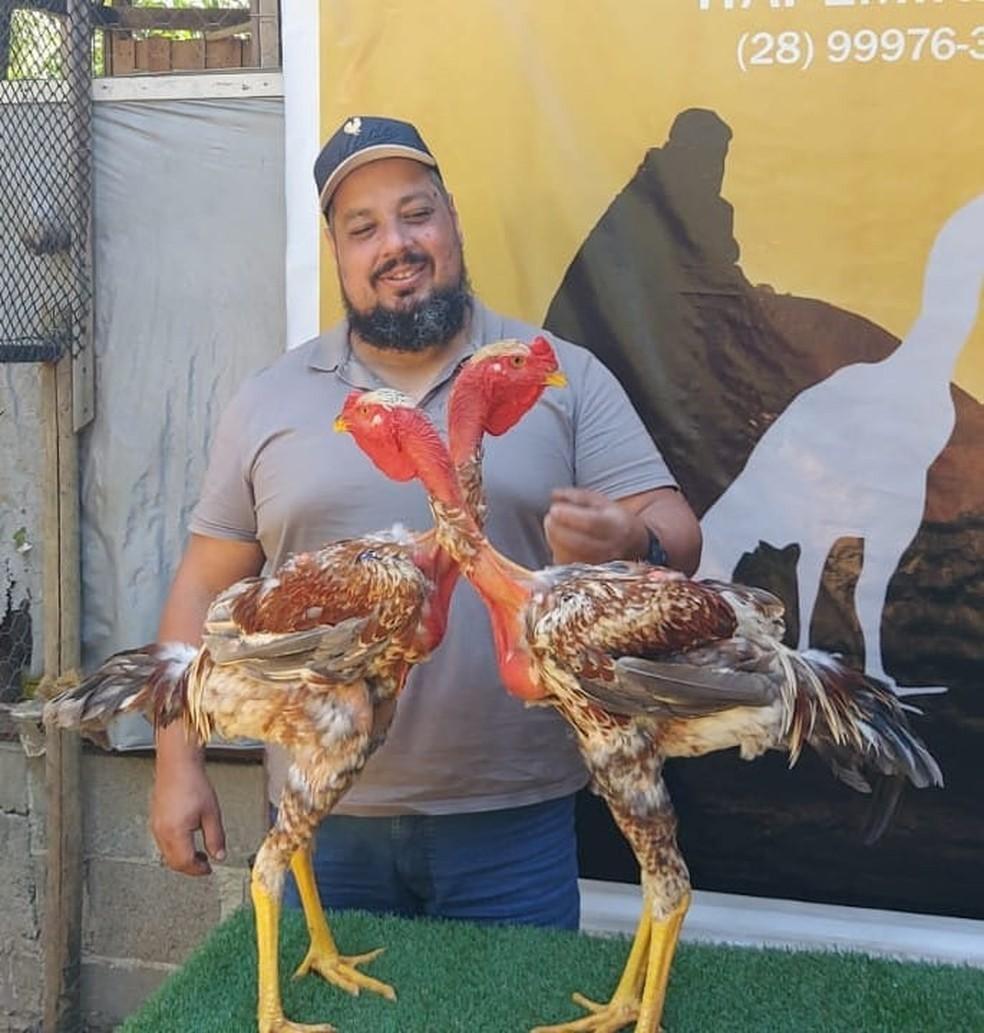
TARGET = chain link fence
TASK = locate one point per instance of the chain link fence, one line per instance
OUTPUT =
(16, 649)
(45, 285)
(45, 183)
(49, 52)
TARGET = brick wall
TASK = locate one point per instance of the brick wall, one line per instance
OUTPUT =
(140, 921)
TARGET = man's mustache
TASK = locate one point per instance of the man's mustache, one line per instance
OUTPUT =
(407, 258)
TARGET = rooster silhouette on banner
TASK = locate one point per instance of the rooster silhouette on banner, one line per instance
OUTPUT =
(848, 457)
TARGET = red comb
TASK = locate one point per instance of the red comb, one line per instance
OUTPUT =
(541, 346)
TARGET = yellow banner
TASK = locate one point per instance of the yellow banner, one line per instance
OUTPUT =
(858, 128)
(767, 218)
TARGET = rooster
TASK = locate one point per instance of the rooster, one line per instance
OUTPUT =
(645, 664)
(312, 658)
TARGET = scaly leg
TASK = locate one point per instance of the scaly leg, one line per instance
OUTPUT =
(624, 1006)
(269, 1010)
(302, 805)
(645, 976)
(323, 956)
(664, 938)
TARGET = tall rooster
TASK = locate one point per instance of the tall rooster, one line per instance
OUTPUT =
(313, 658)
(646, 664)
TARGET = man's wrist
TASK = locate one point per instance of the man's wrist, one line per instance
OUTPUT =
(175, 749)
(655, 554)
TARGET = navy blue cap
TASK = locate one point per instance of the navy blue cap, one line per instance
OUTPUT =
(361, 139)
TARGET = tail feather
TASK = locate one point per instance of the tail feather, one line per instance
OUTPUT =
(152, 680)
(862, 730)
(884, 803)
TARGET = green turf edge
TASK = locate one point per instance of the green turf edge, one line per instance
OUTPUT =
(455, 976)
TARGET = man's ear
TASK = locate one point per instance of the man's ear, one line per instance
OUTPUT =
(454, 218)
(330, 237)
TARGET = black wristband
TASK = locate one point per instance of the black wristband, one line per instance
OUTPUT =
(655, 553)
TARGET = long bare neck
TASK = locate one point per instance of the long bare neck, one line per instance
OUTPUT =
(466, 434)
(465, 421)
(505, 587)
(454, 484)
(453, 520)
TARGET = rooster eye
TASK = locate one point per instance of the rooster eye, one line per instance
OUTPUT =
(516, 361)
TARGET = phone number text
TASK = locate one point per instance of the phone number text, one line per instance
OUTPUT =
(798, 49)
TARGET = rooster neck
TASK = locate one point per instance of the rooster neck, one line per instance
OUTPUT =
(433, 467)
(456, 530)
(506, 590)
(504, 586)
(465, 424)
(441, 570)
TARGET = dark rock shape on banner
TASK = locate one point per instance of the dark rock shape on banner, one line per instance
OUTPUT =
(711, 361)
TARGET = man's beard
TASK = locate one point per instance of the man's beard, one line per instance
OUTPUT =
(434, 320)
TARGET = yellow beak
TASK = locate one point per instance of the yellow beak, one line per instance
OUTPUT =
(340, 425)
(555, 379)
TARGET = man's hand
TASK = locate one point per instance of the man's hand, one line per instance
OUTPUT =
(182, 804)
(584, 526)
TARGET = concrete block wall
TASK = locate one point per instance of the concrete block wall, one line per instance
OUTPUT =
(140, 920)
(21, 882)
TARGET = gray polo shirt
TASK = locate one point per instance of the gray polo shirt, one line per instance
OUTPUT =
(278, 475)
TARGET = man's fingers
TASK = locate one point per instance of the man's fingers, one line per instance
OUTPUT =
(584, 497)
(180, 855)
(577, 518)
(569, 546)
(198, 865)
(213, 833)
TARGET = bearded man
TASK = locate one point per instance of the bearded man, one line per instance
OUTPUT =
(467, 810)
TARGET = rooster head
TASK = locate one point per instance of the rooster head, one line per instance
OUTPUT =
(396, 435)
(504, 380)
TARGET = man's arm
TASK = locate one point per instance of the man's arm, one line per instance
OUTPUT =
(183, 800)
(584, 526)
(623, 487)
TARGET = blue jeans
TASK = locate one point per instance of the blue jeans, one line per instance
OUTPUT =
(517, 865)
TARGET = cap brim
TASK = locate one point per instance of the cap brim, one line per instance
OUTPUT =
(366, 155)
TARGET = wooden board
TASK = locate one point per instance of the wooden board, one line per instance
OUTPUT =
(223, 53)
(187, 54)
(154, 54)
(60, 615)
(124, 54)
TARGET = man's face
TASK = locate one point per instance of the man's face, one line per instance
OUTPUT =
(395, 237)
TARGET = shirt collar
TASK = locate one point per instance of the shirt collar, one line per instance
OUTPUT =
(332, 353)
(330, 349)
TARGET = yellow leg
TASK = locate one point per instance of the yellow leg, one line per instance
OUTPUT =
(322, 956)
(269, 1010)
(665, 935)
(623, 1008)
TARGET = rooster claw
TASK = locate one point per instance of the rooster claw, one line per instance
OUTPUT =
(283, 1025)
(604, 1018)
(342, 971)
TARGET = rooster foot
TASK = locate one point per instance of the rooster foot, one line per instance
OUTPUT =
(282, 1025)
(342, 971)
(604, 1018)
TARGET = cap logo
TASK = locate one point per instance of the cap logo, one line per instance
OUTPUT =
(353, 126)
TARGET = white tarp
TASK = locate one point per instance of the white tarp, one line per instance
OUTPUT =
(189, 246)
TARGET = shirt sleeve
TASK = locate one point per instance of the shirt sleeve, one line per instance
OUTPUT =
(226, 507)
(613, 452)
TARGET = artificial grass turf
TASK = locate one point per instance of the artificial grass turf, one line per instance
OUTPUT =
(455, 976)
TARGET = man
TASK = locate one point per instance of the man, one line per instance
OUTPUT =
(467, 810)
